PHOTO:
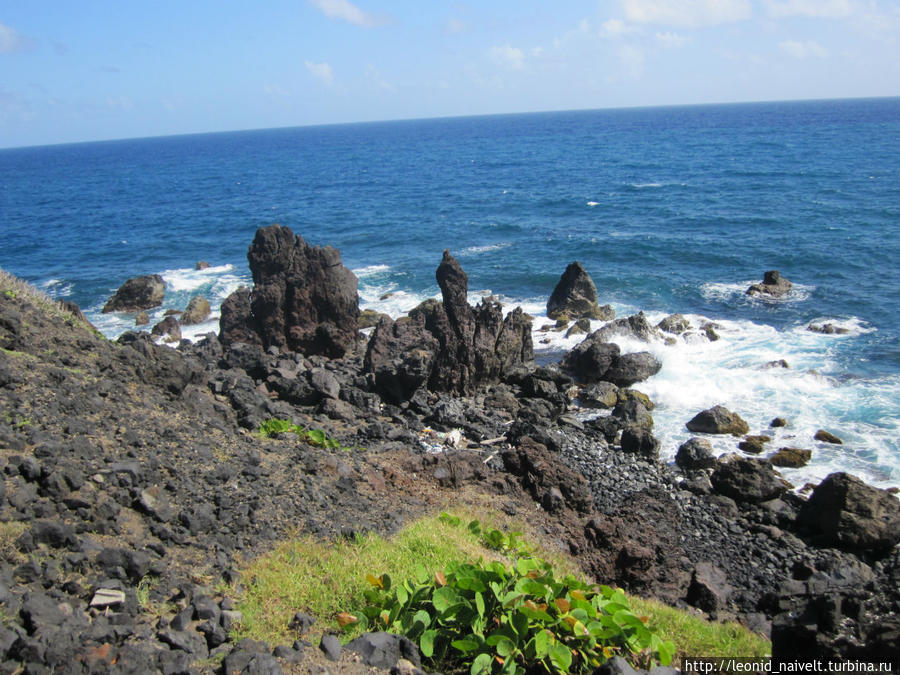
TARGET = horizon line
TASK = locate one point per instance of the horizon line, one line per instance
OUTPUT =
(442, 117)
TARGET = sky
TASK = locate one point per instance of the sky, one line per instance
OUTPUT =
(96, 70)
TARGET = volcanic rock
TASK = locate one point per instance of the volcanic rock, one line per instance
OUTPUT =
(748, 480)
(675, 324)
(846, 512)
(827, 437)
(628, 369)
(718, 420)
(197, 311)
(303, 298)
(168, 329)
(591, 358)
(136, 294)
(754, 444)
(773, 285)
(449, 345)
(575, 295)
(792, 458)
(694, 454)
(709, 589)
(634, 326)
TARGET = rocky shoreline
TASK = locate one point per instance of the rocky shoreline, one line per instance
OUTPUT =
(128, 461)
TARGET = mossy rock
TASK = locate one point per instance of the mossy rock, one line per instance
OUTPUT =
(791, 458)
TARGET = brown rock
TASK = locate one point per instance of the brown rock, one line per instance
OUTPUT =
(791, 458)
(826, 437)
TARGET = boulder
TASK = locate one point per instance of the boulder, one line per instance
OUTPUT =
(369, 318)
(634, 326)
(709, 589)
(827, 437)
(384, 650)
(718, 420)
(675, 324)
(168, 329)
(694, 454)
(575, 295)
(827, 329)
(773, 286)
(591, 358)
(136, 294)
(748, 480)
(640, 440)
(843, 511)
(201, 265)
(791, 458)
(303, 297)
(599, 395)
(141, 319)
(754, 444)
(197, 311)
(454, 347)
(628, 369)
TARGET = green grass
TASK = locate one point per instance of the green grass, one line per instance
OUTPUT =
(326, 578)
(695, 636)
(14, 288)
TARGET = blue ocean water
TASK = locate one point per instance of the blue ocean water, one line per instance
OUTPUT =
(673, 209)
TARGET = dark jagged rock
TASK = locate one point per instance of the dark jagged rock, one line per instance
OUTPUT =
(448, 345)
(197, 311)
(591, 358)
(843, 511)
(641, 441)
(718, 420)
(303, 298)
(709, 589)
(748, 480)
(754, 444)
(694, 454)
(168, 329)
(136, 294)
(629, 369)
(384, 650)
(791, 458)
(827, 329)
(634, 326)
(675, 324)
(541, 474)
(575, 297)
(773, 286)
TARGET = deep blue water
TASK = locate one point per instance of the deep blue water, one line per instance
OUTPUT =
(669, 209)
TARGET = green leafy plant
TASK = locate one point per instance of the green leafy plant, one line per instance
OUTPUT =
(317, 437)
(497, 618)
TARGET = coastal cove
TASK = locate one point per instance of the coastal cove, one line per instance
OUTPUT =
(669, 210)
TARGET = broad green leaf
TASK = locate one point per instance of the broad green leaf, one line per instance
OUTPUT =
(421, 574)
(505, 647)
(479, 603)
(466, 644)
(422, 617)
(443, 598)
(542, 644)
(666, 651)
(560, 657)
(471, 582)
(426, 643)
(481, 665)
(474, 527)
(402, 595)
(532, 587)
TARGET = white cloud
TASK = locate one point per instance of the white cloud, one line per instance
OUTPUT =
(321, 71)
(832, 9)
(632, 60)
(11, 41)
(692, 13)
(510, 57)
(804, 50)
(615, 28)
(346, 11)
(672, 40)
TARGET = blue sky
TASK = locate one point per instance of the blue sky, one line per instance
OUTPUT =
(90, 70)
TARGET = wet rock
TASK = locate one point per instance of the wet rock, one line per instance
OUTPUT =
(675, 324)
(827, 437)
(695, 454)
(843, 511)
(580, 327)
(718, 420)
(792, 458)
(778, 422)
(141, 319)
(748, 480)
(136, 294)
(629, 369)
(168, 329)
(827, 329)
(197, 311)
(201, 265)
(591, 359)
(575, 295)
(635, 326)
(303, 298)
(773, 286)
(754, 444)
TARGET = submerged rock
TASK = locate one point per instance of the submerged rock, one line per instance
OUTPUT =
(139, 293)
(773, 285)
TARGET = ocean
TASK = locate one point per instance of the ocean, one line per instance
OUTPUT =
(670, 209)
